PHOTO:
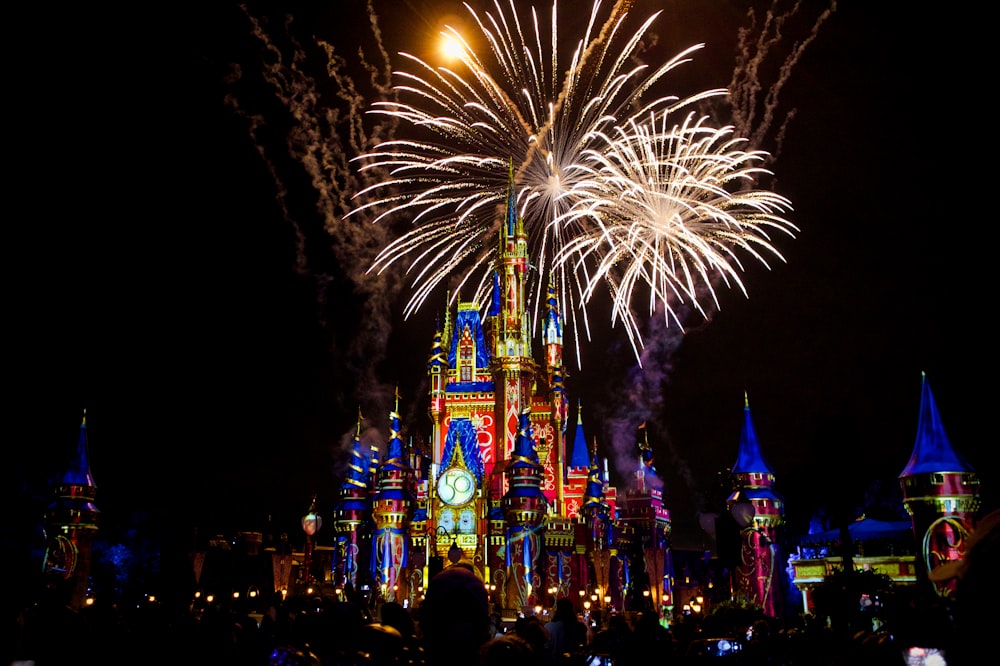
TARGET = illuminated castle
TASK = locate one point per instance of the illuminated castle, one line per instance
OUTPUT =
(497, 488)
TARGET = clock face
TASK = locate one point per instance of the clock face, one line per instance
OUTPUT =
(456, 486)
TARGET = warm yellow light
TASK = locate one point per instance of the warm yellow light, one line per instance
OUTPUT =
(645, 593)
(152, 598)
(210, 598)
(89, 601)
(700, 599)
(236, 595)
(586, 605)
(450, 48)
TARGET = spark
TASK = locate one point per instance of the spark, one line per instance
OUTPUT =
(511, 107)
(671, 207)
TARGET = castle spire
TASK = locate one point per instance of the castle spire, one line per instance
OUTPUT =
(524, 506)
(941, 494)
(71, 525)
(579, 458)
(392, 511)
(351, 514)
(759, 510)
(514, 368)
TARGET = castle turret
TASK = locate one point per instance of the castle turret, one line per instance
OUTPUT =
(392, 509)
(71, 525)
(553, 340)
(524, 507)
(351, 517)
(758, 510)
(643, 537)
(941, 494)
(437, 365)
(596, 514)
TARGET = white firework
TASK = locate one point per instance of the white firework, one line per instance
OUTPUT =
(514, 108)
(671, 207)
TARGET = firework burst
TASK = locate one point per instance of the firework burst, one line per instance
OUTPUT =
(564, 133)
(671, 207)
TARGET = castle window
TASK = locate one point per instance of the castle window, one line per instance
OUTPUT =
(466, 356)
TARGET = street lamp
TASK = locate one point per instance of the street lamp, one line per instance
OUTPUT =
(311, 523)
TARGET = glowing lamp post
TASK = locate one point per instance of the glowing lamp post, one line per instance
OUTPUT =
(311, 522)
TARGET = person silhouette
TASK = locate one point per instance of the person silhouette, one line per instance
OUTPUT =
(454, 618)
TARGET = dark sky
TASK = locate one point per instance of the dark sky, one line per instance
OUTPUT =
(174, 278)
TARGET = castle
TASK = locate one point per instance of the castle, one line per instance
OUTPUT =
(499, 492)
(498, 489)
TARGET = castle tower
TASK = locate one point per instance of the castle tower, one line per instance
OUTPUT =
(513, 366)
(643, 536)
(576, 472)
(524, 506)
(485, 481)
(71, 525)
(351, 517)
(392, 509)
(597, 516)
(437, 365)
(758, 510)
(553, 339)
(941, 494)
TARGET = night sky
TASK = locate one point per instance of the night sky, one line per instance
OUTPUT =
(173, 277)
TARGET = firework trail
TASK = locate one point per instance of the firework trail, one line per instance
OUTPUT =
(306, 127)
(512, 108)
(754, 104)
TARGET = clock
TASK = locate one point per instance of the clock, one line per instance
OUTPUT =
(456, 486)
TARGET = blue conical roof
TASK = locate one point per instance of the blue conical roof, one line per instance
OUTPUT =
(495, 297)
(579, 457)
(78, 473)
(524, 453)
(437, 357)
(553, 323)
(750, 460)
(932, 451)
(395, 456)
(594, 493)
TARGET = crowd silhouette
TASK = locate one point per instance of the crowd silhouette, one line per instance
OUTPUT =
(455, 625)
